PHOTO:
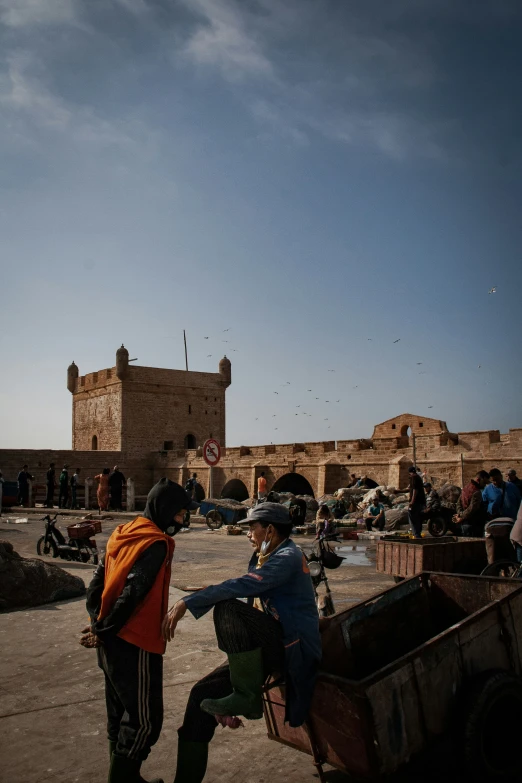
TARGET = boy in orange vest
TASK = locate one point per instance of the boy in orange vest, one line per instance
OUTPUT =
(127, 601)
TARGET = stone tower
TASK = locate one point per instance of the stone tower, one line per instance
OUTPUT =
(138, 410)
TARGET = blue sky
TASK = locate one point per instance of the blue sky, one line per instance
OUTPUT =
(320, 178)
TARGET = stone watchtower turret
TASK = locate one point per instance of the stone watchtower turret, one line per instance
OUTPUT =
(72, 377)
(139, 410)
(225, 369)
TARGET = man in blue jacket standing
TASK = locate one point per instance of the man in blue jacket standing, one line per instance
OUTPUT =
(277, 631)
(502, 497)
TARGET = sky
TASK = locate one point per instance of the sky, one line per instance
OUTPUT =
(336, 184)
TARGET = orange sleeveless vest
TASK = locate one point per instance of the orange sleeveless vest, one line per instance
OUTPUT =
(125, 545)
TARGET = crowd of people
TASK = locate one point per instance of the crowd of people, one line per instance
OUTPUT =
(109, 489)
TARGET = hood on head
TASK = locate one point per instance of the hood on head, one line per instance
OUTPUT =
(164, 501)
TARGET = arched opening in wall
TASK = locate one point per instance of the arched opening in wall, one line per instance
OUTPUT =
(235, 489)
(295, 483)
(190, 442)
(94, 443)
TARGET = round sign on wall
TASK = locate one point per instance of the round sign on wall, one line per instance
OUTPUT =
(211, 452)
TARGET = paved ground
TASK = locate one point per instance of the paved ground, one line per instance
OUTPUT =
(52, 715)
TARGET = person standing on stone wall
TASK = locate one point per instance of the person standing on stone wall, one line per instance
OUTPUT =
(50, 484)
(261, 487)
(75, 483)
(23, 486)
(417, 502)
(116, 482)
(103, 489)
(63, 497)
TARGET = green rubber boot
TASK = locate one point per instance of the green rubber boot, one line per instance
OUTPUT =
(126, 770)
(246, 675)
(192, 761)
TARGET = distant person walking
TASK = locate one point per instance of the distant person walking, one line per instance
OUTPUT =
(417, 502)
(190, 485)
(116, 482)
(75, 483)
(103, 489)
(50, 483)
(24, 477)
(1, 491)
(261, 487)
(63, 497)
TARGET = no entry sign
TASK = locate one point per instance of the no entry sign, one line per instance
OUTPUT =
(211, 452)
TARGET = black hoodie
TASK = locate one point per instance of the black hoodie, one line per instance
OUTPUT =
(164, 501)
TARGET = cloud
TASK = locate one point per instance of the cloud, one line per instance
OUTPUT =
(31, 107)
(222, 40)
(21, 13)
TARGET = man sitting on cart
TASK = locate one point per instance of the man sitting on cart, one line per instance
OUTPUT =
(275, 633)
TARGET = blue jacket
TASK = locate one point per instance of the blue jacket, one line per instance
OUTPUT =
(502, 501)
(284, 586)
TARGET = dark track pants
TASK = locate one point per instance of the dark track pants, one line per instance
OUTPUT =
(133, 696)
(239, 628)
(49, 498)
(415, 519)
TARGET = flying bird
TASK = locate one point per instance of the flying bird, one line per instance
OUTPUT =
(430, 406)
(479, 366)
(205, 338)
(227, 330)
(338, 400)
(209, 356)
(276, 392)
(419, 362)
(308, 390)
(257, 418)
(355, 387)
(297, 406)
(397, 341)
(370, 339)
(225, 341)
(331, 370)
(422, 373)
(317, 398)
(327, 400)
(493, 290)
(274, 415)
(325, 419)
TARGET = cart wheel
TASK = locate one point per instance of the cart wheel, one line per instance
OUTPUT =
(437, 527)
(46, 548)
(505, 568)
(214, 519)
(492, 727)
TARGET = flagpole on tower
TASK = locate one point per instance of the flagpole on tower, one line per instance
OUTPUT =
(186, 357)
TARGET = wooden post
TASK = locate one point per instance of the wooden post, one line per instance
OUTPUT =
(185, 341)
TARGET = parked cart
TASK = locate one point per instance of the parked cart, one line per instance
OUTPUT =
(219, 512)
(434, 654)
(402, 557)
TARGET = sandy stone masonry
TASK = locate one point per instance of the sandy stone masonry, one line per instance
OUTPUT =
(153, 422)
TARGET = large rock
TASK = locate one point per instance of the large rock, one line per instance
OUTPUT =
(30, 582)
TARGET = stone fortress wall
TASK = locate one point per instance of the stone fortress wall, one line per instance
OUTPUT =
(153, 422)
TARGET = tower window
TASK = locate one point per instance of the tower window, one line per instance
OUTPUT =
(190, 442)
(393, 426)
(215, 413)
(190, 409)
(421, 424)
(168, 445)
(94, 443)
(215, 399)
(206, 413)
